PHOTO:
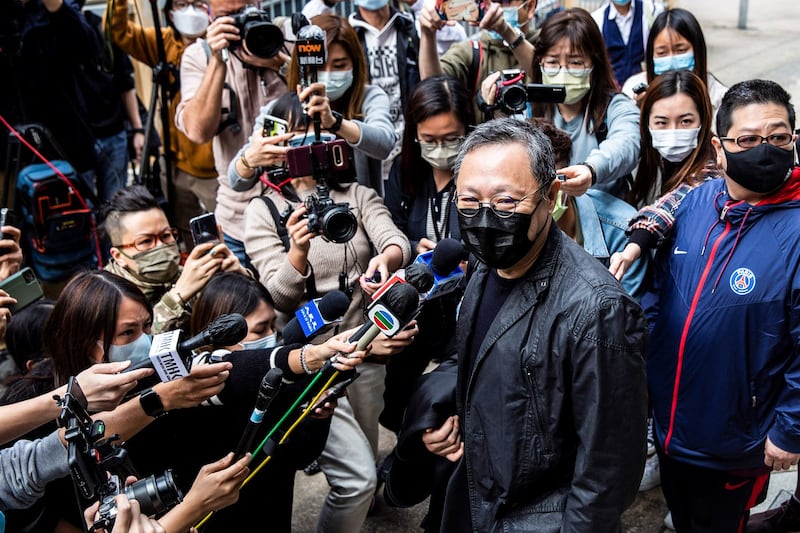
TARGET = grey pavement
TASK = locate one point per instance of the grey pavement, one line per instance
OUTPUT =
(766, 49)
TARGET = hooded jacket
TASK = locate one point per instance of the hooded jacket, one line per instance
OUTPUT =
(723, 367)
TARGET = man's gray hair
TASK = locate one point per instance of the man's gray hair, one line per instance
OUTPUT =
(511, 130)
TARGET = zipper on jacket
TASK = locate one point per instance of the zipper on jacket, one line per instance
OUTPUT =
(685, 333)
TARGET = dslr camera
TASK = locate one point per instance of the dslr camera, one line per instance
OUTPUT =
(262, 37)
(90, 454)
(513, 94)
(325, 161)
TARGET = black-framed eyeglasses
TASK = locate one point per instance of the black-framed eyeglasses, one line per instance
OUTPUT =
(148, 241)
(503, 205)
(752, 140)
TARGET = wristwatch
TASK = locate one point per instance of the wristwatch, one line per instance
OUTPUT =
(151, 403)
(337, 123)
(517, 40)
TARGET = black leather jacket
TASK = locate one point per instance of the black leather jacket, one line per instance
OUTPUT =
(554, 412)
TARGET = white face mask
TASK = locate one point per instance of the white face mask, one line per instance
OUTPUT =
(190, 22)
(337, 82)
(270, 341)
(675, 145)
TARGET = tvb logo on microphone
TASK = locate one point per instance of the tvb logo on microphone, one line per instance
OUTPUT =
(384, 319)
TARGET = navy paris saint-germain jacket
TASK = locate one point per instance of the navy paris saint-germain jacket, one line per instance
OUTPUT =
(723, 367)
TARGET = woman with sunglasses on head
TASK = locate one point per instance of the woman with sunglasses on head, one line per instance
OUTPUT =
(602, 123)
(676, 42)
(194, 175)
(144, 250)
(677, 156)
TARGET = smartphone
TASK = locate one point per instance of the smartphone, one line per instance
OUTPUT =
(24, 287)
(274, 126)
(467, 10)
(336, 156)
(640, 88)
(204, 229)
(337, 391)
(540, 93)
(7, 218)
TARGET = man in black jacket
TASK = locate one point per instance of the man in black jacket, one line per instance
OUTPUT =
(551, 394)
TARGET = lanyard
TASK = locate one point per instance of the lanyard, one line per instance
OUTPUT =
(435, 209)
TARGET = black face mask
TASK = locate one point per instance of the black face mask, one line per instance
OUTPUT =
(762, 169)
(498, 242)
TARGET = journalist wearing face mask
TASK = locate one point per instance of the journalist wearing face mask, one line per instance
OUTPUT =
(347, 105)
(603, 124)
(676, 42)
(676, 137)
(420, 188)
(539, 312)
(145, 251)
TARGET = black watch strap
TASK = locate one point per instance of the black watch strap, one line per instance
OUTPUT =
(337, 123)
(151, 403)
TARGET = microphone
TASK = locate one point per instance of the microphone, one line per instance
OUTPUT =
(311, 55)
(388, 315)
(314, 316)
(170, 357)
(444, 261)
(270, 386)
(418, 275)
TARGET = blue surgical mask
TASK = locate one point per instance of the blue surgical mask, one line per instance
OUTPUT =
(371, 5)
(511, 16)
(304, 139)
(676, 62)
(264, 343)
(622, 2)
(135, 351)
(337, 82)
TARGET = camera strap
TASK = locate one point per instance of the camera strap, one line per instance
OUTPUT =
(311, 285)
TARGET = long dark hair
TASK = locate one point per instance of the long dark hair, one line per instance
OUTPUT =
(338, 30)
(227, 292)
(669, 84)
(682, 22)
(86, 310)
(584, 36)
(431, 97)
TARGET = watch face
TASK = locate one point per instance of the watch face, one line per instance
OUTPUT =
(151, 403)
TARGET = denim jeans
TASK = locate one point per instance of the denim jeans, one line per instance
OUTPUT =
(111, 171)
(237, 248)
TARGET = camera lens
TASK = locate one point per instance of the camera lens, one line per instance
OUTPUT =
(515, 98)
(155, 494)
(339, 224)
(263, 39)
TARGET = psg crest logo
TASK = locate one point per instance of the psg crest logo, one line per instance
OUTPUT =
(742, 281)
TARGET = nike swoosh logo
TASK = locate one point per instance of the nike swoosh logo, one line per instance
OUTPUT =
(679, 252)
(735, 486)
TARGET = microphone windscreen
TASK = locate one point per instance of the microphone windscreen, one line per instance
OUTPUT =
(402, 299)
(299, 21)
(333, 305)
(227, 330)
(447, 254)
(419, 276)
(272, 380)
(311, 32)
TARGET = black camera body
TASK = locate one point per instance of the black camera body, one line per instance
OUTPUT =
(259, 34)
(90, 454)
(335, 221)
(513, 94)
(155, 494)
